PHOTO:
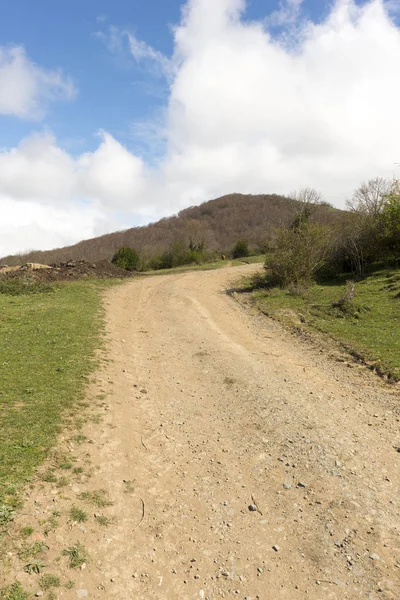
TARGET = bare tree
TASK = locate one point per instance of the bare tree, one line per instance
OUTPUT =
(307, 201)
(370, 198)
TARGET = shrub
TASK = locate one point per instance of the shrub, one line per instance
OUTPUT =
(299, 254)
(179, 254)
(241, 249)
(126, 258)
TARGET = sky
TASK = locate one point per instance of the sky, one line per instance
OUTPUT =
(116, 113)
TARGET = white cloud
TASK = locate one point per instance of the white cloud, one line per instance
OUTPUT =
(30, 225)
(25, 88)
(287, 13)
(246, 113)
(40, 170)
(118, 41)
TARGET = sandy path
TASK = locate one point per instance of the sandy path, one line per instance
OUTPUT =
(210, 410)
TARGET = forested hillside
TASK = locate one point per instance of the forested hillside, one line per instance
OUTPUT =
(218, 223)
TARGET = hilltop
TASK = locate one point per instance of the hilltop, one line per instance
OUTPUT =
(219, 223)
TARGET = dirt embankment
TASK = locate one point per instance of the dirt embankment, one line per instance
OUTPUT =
(240, 461)
(68, 271)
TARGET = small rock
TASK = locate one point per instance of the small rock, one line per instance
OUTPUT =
(375, 557)
(135, 575)
(276, 548)
(39, 594)
(301, 485)
(287, 486)
(252, 508)
(143, 391)
(82, 593)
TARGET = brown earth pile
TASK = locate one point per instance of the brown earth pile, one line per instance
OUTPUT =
(68, 271)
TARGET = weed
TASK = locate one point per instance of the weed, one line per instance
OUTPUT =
(52, 524)
(77, 470)
(98, 498)
(66, 466)
(128, 489)
(32, 551)
(96, 419)
(26, 531)
(35, 566)
(70, 584)
(49, 476)
(51, 595)
(104, 521)
(78, 515)
(77, 555)
(6, 515)
(79, 438)
(62, 482)
(49, 581)
(14, 591)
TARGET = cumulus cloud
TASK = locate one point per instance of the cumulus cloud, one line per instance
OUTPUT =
(42, 171)
(25, 88)
(247, 112)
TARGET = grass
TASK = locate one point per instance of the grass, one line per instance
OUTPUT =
(33, 550)
(98, 498)
(104, 521)
(368, 327)
(27, 532)
(47, 343)
(77, 555)
(49, 581)
(78, 515)
(14, 591)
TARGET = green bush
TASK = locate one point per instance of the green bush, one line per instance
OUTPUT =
(178, 254)
(241, 249)
(126, 258)
(298, 255)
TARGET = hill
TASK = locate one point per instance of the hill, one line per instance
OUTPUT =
(220, 223)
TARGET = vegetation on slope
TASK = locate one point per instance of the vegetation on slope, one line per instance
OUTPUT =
(343, 280)
(368, 326)
(216, 225)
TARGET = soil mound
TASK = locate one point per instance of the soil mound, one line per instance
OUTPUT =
(67, 271)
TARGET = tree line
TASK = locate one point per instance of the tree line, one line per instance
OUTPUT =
(366, 236)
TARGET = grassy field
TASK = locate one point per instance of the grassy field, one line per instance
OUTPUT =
(369, 326)
(47, 344)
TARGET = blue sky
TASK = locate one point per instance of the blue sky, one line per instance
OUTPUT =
(112, 91)
(113, 114)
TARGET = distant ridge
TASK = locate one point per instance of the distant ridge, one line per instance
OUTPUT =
(220, 223)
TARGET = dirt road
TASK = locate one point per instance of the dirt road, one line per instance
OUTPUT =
(240, 461)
